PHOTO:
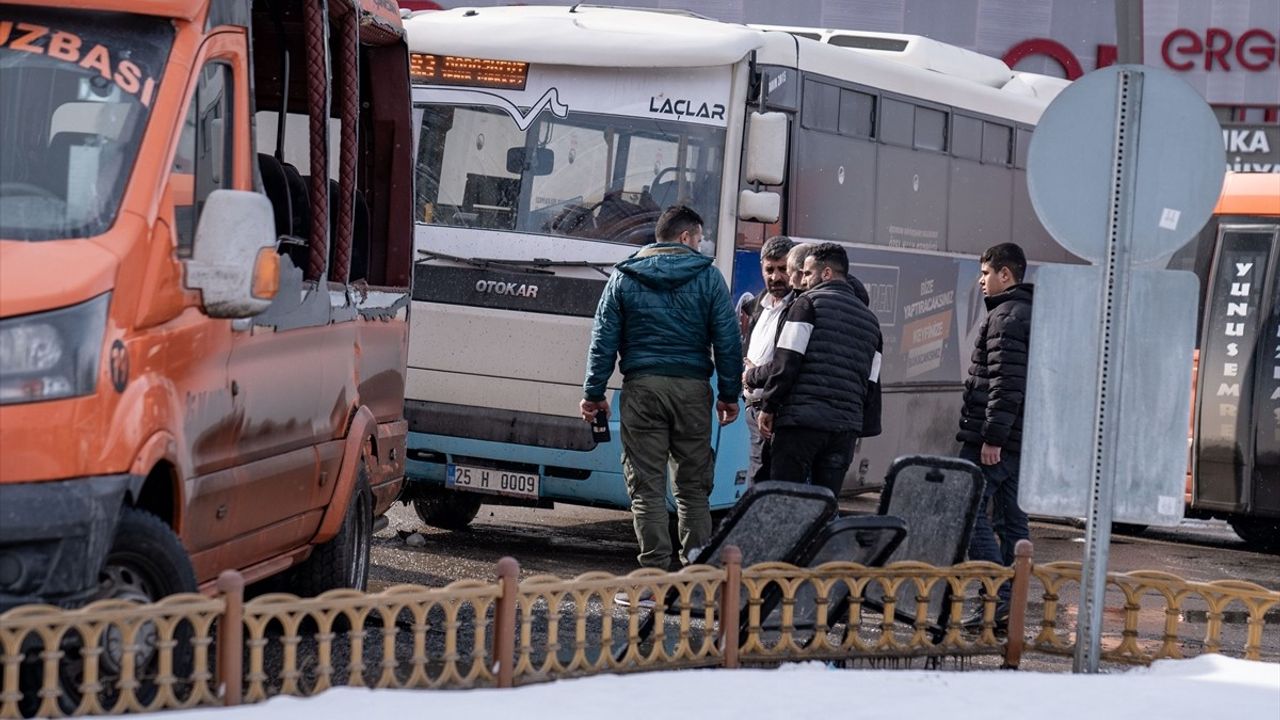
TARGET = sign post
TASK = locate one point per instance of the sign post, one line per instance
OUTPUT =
(1124, 168)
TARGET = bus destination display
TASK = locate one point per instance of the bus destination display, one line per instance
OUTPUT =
(429, 69)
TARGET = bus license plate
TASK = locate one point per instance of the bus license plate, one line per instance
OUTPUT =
(493, 481)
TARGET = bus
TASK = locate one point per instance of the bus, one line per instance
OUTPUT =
(551, 138)
(1235, 440)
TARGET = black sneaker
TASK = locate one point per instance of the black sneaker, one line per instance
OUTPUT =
(974, 622)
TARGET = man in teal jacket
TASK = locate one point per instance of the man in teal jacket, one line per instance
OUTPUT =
(666, 310)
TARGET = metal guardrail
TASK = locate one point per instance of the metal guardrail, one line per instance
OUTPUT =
(113, 657)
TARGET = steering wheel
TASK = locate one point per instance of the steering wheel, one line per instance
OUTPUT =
(22, 188)
(671, 169)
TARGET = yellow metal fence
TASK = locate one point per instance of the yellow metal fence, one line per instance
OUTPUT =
(113, 657)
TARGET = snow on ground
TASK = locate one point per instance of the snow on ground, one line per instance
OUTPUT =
(1207, 686)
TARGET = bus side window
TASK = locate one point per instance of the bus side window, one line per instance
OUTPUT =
(931, 129)
(1021, 145)
(857, 114)
(996, 143)
(820, 107)
(966, 137)
(202, 162)
(896, 123)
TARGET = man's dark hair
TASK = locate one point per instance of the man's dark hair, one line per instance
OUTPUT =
(1007, 255)
(776, 248)
(674, 221)
(832, 256)
(799, 254)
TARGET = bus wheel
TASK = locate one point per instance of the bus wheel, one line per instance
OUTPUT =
(1129, 529)
(1260, 533)
(343, 562)
(447, 510)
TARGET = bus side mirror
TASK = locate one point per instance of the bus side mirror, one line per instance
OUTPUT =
(766, 160)
(233, 261)
(765, 207)
(538, 161)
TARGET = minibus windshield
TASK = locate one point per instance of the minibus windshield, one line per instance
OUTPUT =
(75, 93)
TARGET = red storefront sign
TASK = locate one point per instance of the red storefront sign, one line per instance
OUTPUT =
(1215, 49)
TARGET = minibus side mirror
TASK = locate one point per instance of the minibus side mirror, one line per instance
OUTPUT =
(766, 158)
(538, 161)
(765, 207)
(233, 262)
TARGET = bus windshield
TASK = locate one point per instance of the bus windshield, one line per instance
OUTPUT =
(75, 93)
(591, 176)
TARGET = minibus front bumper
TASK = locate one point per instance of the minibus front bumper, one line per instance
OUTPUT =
(54, 537)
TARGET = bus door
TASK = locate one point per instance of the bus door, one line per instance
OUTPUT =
(1237, 440)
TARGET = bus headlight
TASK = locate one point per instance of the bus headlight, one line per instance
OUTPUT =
(53, 354)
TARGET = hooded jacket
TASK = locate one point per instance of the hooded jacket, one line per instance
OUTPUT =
(666, 311)
(997, 384)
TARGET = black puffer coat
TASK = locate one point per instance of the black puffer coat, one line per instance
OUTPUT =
(997, 384)
(825, 371)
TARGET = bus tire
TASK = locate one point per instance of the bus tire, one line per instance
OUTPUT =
(1262, 534)
(447, 510)
(343, 562)
(1129, 528)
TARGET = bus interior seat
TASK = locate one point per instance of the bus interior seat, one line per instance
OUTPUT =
(359, 232)
(299, 201)
(298, 248)
(646, 201)
(55, 174)
(664, 193)
(276, 187)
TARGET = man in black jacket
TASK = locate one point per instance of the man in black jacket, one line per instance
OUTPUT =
(991, 418)
(825, 369)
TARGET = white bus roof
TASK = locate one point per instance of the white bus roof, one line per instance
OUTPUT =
(931, 70)
(922, 52)
(603, 37)
(584, 35)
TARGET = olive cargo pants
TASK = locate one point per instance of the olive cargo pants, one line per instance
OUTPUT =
(667, 418)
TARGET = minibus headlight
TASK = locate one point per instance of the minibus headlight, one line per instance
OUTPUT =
(53, 354)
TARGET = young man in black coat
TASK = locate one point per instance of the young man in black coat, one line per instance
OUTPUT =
(991, 418)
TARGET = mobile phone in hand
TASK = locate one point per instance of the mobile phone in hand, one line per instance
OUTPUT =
(600, 427)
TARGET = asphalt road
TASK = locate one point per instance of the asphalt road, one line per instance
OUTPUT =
(569, 541)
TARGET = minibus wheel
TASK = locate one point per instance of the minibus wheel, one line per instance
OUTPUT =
(343, 562)
(446, 509)
(146, 563)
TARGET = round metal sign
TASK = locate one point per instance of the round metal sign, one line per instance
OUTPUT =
(1177, 170)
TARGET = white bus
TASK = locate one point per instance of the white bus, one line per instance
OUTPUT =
(552, 137)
